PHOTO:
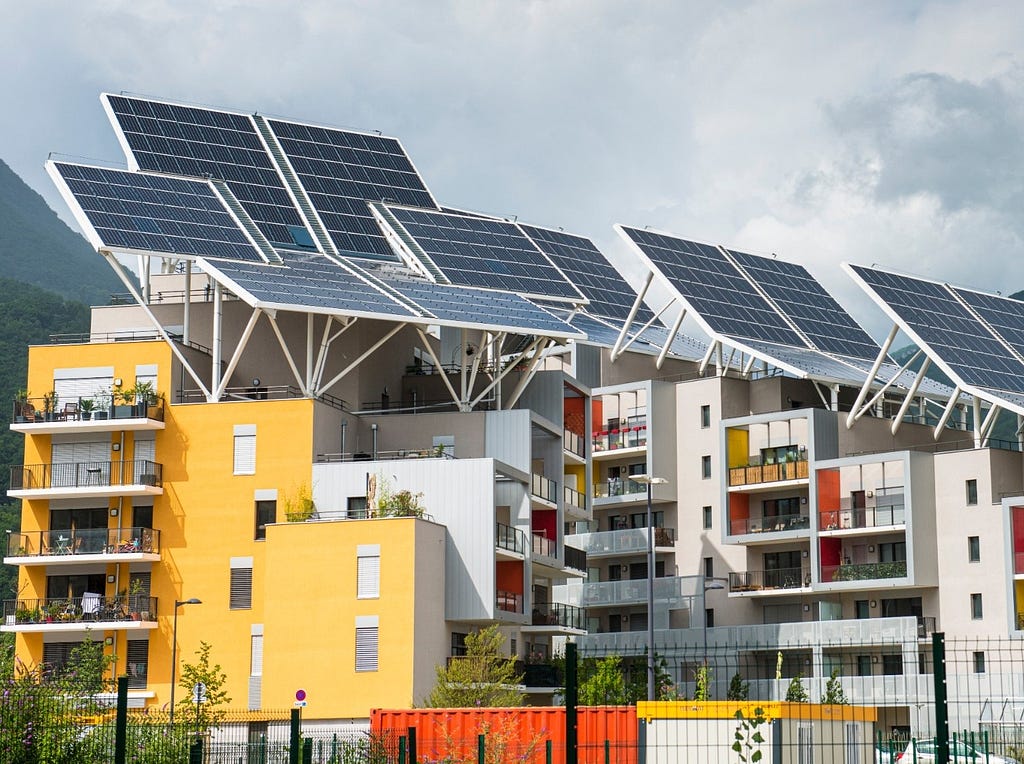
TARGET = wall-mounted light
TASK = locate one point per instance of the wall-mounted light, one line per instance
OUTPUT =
(803, 499)
(806, 553)
(874, 659)
(115, 447)
(113, 512)
(873, 603)
(117, 381)
(108, 641)
(871, 547)
(255, 381)
(807, 608)
(111, 579)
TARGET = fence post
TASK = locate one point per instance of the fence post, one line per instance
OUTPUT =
(307, 750)
(571, 698)
(607, 751)
(294, 740)
(547, 752)
(480, 750)
(941, 708)
(412, 745)
(121, 723)
(195, 751)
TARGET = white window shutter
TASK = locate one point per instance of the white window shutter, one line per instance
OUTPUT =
(366, 648)
(245, 450)
(368, 577)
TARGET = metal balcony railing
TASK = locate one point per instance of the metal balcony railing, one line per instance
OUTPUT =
(86, 474)
(862, 517)
(87, 541)
(509, 602)
(630, 436)
(756, 580)
(574, 498)
(573, 443)
(768, 473)
(512, 539)
(544, 488)
(774, 524)
(864, 571)
(626, 541)
(85, 609)
(925, 626)
(542, 545)
(575, 558)
(85, 408)
(618, 487)
(558, 614)
(667, 590)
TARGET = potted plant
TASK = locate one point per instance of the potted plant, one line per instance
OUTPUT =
(50, 401)
(86, 407)
(139, 397)
(54, 609)
(136, 597)
(20, 404)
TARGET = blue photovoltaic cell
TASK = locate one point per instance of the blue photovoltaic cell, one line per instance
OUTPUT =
(156, 213)
(714, 288)
(186, 140)
(493, 254)
(942, 323)
(584, 264)
(341, 171)
(813, 310)
(1003, 314)
(311, 281)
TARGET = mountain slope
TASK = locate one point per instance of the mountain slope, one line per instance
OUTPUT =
(36, 247)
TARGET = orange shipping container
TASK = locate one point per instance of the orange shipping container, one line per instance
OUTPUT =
(513, 734)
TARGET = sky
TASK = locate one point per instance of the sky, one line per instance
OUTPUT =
(888, 133)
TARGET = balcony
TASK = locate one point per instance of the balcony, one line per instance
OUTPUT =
(90, 611)
(542, 677)
(624, 542)
(544, 488)
(104, 545)
(761, 580)
(574, 446)
(575, 559)
(862, 517)
(776, 524)
(100, 413)
(508, 602)
(575, 503)
(62, 480)
(607, 441)
(925, 626)
(619, 487)
(667, 591)
(543, 546)
(510, 539)
(759, 474)
(556, 618)
(868, 571)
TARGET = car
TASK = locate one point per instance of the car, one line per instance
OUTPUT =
(923, 752)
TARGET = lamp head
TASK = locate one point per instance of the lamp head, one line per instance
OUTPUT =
(191, 601)
(648, 479)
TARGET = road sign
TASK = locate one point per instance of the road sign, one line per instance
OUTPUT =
(300, 695)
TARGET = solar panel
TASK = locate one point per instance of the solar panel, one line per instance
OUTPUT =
(1003, 314)
(187, 140)
(941, 322)
(156, 213)
(341, 171)
(584, 264)
(311, 281)
(476, 252)
(714, 288)
(800, 297)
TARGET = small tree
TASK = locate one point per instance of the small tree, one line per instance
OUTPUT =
(210, 711)
(85, 673)
(606, 686)
(796, 692)
(738, 689)
(834, 694)
(482, 677)
(636, 687)
(702, 683)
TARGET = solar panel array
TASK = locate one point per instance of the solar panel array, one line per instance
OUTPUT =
(800, 297)
(486, 253)
(197, 142)
(156, 213)
(1003, 314)
(933, 312)
(715, 288)
(342, 170)
(577, 257)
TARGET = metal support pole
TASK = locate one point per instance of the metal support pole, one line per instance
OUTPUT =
(650, 595)
(121, 724)
(941, 709)
(294, 738)
(412, 745)
(174, 661)
(571, 699)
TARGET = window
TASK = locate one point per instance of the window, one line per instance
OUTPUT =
(368, 571)
(57, 654)
(707, 517)
(256, 651)
(709, 617)
(976, 607)
(638, 622)
(705, 417)
(245, 449)
(974, 549)
(366, 642)
(459, 643)
(356, 508)
(266, 513)
(142, 517)
(972, 492)
(709, 567)
(863, 665)
(138, 663)
(860, 609)
(892, 665)
(240, 595)
(705, 467)
(893, 552)
(979, 663)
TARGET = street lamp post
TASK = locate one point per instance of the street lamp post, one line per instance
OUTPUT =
(650, 481)
(174, 649)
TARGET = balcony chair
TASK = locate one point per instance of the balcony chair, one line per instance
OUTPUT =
(70, 413)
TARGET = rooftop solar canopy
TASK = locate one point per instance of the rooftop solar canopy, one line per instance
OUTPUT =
(341, 171)
(1003, 314)
(814, 311)
(931, 313)
(577, 257)
(713, 287)
(485, 253)
(188, 140)
(605, 333)
(140, 212)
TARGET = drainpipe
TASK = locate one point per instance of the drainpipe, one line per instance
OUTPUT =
(373, 427)
(344, 427)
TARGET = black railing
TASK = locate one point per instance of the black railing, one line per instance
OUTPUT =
(558, 614)
(512, 539)
(84, 541)
(86, 408)
(86, 474)
(85, 609)
(575, 558)
(543, 675)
